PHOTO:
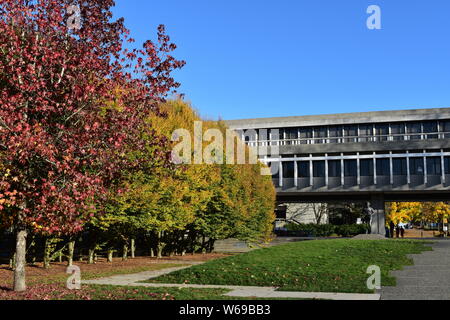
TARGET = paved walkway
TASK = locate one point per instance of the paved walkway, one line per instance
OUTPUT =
(427, 279)
(236, 291)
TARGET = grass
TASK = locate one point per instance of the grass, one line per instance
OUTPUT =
(315, 266)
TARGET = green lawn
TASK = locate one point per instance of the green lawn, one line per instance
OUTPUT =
(321, 266)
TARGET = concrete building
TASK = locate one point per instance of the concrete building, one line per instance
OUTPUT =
(368, 156)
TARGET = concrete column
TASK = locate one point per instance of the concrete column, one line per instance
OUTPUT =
(295, 171)
(378, 219)
(311, 173)
(358, 168)
(374, 169)
(408, 170)
(442, 166)
(342, 170)
(280, 166)
(391, 168)
(425, 171)
(326, 169)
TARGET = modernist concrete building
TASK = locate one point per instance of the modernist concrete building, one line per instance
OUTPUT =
(369, 156)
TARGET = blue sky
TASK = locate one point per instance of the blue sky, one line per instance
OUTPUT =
(260, 58)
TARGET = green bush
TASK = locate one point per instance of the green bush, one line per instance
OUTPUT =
(326, 230)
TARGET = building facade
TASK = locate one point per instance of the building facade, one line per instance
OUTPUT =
(370, 156)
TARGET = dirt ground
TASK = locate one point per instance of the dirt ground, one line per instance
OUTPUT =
(37, 274)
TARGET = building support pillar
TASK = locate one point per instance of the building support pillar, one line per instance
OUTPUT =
(295, 171)
(378, 221)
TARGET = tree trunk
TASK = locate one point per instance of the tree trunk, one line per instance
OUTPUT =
(19, 271)
(125, 252)
(110, 255)
(47, 253)
(133, 248)
(71, 249)
(152, 253)
(91, 256)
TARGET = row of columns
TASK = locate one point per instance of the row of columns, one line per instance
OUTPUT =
(358, 158)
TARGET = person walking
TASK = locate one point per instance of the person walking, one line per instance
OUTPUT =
(391, 229)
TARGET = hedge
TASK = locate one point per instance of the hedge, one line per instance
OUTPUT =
(326, 230)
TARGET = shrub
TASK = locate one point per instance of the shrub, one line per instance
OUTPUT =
(325, 230)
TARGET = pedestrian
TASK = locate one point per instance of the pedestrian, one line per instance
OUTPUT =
(397, 230)
(391, 229)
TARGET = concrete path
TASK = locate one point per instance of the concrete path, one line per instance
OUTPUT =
(236, 291)
(427, 279)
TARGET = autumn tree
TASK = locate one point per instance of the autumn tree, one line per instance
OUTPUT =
(63, 125)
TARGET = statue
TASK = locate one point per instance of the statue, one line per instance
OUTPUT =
(369, 212)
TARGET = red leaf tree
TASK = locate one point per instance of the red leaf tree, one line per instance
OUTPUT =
(71, 102)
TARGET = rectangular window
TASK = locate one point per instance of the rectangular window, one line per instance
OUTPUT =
(414, 127)
(430, 127)
(288, 170)
(275, 170)
(382, 132)
(365, 133)
(351, 132)
(303, 169)
(291, 133)
(319, 134)
(366, 167)
(434, 166)
(398, 131)
(335, 132)
(383, 167)
(447, 165)
(334, 168)
(416, 166)
(351, 168)
(445, 127)
(319, 169)
(305, 135)
(399, 166)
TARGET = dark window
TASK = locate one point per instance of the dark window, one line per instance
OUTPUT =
(305, 134)
(291, 133)
(350, 168)
(382, 131)
(320, 132)
(319, 169)
(399, 166)
(383, 167)
(335, 132)
(366, 167)
(275, 170)
(365, 132)
(430, 127)
(351, 131)
(398, 131)
(445, 127)
(303, 169)
(416, 166)
(334, 168)
(434, 166)
(288, 170)
(447, 165)
(414, 127)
